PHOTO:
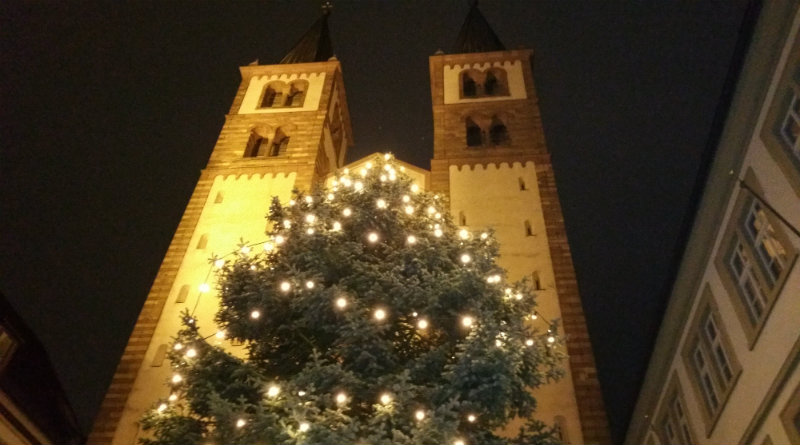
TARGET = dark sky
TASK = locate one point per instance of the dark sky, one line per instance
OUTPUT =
(109, 111)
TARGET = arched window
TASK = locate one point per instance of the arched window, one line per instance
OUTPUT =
(202, 242)
(256, 146)
(491, 84)
(462, 219)
(297, 94)
(498, 133)
(528, 228)
(269, 97)
(474, 134)
(279, 144)
(522, 185)
(496, 83)
(537, 282)
(468, 86)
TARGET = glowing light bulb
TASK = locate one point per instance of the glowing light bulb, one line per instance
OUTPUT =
(310, 231)
(310, 284)
(162, 407)
(219, 263)
(178, 346)
(518, 296)
(386, 398)
(414, 314)
(465, 258)
(309, 199)
(204, 287)
(292, 202)
(286, 286)
(431, 210)
(534, 316)
(253, 267)
(341, 303)
(269, 247)
(463, 234)
(240, 423)
(191, 353)
(467, 321)
(173, 397)
(437, 233)
(304, 426)
(280, 239)
(498, 343)
(347, 211)
(459, 442)
(358, 185)
(347, 182)
(380, 203)
(411, 239)
(331, 196)
(341, 398)
(372, 237)
(402, 169)
(380, 314)
(414, 188)
(529, 342)
(471, 418)
(422, 324)
(551, 339)
(484, 235)
(310, 218)
(287, 224)
(383, 178)
(337, 226)
(387, 156)
(273, 391)
(176, 378)
(255, 314)
(420, 414)
(220, 334)
(406, 198)
(438, 216)
(301, 393)
(368, 165)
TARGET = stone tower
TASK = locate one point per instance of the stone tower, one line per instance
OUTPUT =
(491, 158)
(288, 127)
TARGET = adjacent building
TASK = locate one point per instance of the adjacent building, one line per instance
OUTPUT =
(725, 367)
(289, 127)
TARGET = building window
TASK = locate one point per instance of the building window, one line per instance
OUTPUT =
(528, 228)
(790, 129)
(498, 133)
(474, 134)
(256, 146)
(709, 357)
(468, 86)
(673, 422)
(219, 198)
(790, 417)
(462, 219)
(537, 282)
(522, 185)
(756, 259)
(202, 242)
(489, 83)
(279, 144)
(279, 94)
(496, 83)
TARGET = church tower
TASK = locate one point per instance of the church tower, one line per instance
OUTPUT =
(288, 127)
(491, 159)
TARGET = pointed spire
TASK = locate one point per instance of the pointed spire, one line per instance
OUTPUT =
(476, 35)
(315, 45)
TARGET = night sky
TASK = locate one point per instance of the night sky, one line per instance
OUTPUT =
(109, 111)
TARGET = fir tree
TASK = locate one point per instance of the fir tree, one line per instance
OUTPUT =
(368, 317)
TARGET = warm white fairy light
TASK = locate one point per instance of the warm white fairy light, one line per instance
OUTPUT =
(162, 407)
(386, 398)
(406, 198)
(240, 423)
(253, 267)
(493, 278)
(304, 426)
(280, 239)
(292, 202)
(310, 284)
(310, 218)
(459, 442)
(255, 314)
(177, 346)
(204, 287)
(269, 247)
(173, 397)
(518, 296)
(191, 353)
(310, 231)
(347, 211)
(331, 195)
(383, 178)
(347, 182)
(402, 169)
(220, 334)
(301, 393)
(438, 233)
(387, 156)
(409, 210)
(484, 235)
(358, 185)
(287, 224)
(341, 302)
(529, 342)
(273, 391)
(463, 234)
(438, 216)
(341, 398)
(534, 316)
(309, 199)
(379, 314)
(286, 286)
(431, 210)
(422, 324)
(381, 203)
(467, 321)
(420, 414)
(472, 418)
(551, 339)
(498, 343)
(176, 378)
(411, 239)
(337, 226)
(392, 176)
(465, 258)
(414, 314)
(219, 263)
(414, 188)
(372, 237)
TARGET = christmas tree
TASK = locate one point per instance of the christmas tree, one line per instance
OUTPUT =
(367, 317)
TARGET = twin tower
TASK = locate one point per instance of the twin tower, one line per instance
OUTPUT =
(289, 127)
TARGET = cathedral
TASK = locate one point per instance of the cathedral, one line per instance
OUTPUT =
(289, 128)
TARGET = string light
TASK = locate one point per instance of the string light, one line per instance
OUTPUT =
(438, 233)
(463, 234)
(291, 202)
(173, 397)
(304, 426)
(280, 239)
(467, 321)
(287, 224)
(380, 203)
(534, 316)
(309, 199)
(518, 296)
(176, 378)
(409, 210)
(341, 302)
(529, 342)
(269, 247)
(484, 235)
(438, 216)
(347, 211)
(411, 239)
(273, 391)
(358, 185)
(191, 353)
(431, 210)
(240, 423)
(372, 237)
(162, 407)
(310, 284)
(255, 314)
(337, 226)
(471, 418)
(204, 287)
(219, 263)
(310, 218)
(383, 178)
(386, 398)
(551, 339)
(459, 442)
(253, 267)
(331, 195)
(379, 314)
(220, 334)
(406, 198)
(177, 347)
(465, 258)
(286, 286)
(420, 414)
(310, 231)
(422, 324)
(301, 393)
(341, 398)
(368, 165)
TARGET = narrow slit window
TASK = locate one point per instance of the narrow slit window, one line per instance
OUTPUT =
(537, 282)
(158, 358)
(202, 242)
(522, 185)
(462, 219)
(218, 198)
(269, 97)
(182, 294)
(528, 228)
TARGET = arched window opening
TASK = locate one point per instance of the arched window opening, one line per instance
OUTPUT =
(269, 97)
(496, 83)
(468, 88)
(182, 294)
(528, 228)
(297, 94)
(522, 185)
(474, 134)
(256, 146)
(279, 144)
(462, 219)
(490, 87)
(201, 244)
(219, 198)
(498, 133)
